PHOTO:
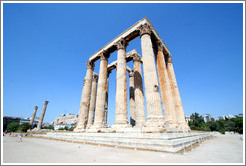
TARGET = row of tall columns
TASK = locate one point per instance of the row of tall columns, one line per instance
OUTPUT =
(94, 103)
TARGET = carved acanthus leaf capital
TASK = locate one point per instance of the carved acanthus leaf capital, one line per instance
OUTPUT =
(90, 65)
(136, 58)
(144, 29)
(121, 44)
(169, 59)
(36, 107)
(159, 45)
(46, 102)
(104, 56)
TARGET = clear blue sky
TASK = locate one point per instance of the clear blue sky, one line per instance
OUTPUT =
(46, 46)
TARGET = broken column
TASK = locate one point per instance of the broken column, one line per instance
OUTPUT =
(33, 115)
(42, 116)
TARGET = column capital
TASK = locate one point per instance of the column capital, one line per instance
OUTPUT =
(36, 107)
(90, 65)
(159, 45)
(104, 56)
(121, 44)
(136, 58)
(144, 29)
(46, 102)
(131, 73)
(169, 59)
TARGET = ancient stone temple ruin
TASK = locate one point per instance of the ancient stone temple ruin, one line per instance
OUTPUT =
(155, 55)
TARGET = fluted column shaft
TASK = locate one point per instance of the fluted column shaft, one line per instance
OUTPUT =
(121, 85)
(138, 92)
(182, 125)
(170, 115)
(42, 116)
(105, 118)
(92, 101)
(155, 121)
(33, 115)
(101, 93)
(85, 99)
(132, 98)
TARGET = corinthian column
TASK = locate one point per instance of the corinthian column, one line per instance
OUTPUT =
(33, 115)
(170, 115)
(155, 120)
(42, 116)
(182, 125)
(121, 120)
(138, 92)
(85, 99)
(105, 118)
(101, 93)
(132, 98)
(93, 100)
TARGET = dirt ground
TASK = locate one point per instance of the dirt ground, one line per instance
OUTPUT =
(221, 149)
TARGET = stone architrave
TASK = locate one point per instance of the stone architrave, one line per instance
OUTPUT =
(121, 120)
(138, 91)
(132, 98)
(101, 93)
(33, 115)
(85, 99)
(92, 101)
(182, 125)
(155, 120)
(42, 115)
(170, 115)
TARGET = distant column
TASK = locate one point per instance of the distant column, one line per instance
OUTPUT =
(132, 98)
(33, 115)
(121, 119)
(85, 99)
(101, 93)
(182, 125)
(105, 118)
(138, 92)
(155, 120)
(170, 115)
(92, 101)
(42, 115)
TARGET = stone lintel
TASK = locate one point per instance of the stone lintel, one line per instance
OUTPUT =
(128, 35)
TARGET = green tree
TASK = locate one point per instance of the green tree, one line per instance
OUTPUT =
(24, 127)
(13, 126)
(48, 127)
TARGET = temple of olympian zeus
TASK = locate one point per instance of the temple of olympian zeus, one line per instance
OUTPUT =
(155, 54)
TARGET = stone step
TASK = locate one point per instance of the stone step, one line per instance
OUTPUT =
(133, 140)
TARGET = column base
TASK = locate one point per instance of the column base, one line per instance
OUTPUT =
(96, 128)
(183, 127)
(154, 125)
(119, 128)
(171, 126)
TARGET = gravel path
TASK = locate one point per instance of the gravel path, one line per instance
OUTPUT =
(222, 149)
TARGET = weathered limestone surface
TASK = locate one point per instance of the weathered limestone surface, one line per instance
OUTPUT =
(85, 99)
(138, 91)
(42, 116)
(121, 119)
(33, 115)
(182, 125)
(170, 114)
(132, 98)
(92, 100)
(105, 118)
(155, 120)
(101, 93)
